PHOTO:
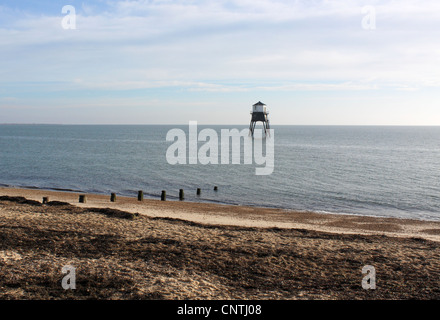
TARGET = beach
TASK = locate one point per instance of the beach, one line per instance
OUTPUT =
(185, 250)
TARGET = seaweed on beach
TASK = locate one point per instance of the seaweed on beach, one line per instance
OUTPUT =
(115, 213)
(58, 204)
(68, 207)
(20, 200)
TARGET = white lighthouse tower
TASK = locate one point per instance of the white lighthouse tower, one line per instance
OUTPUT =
(259, 113)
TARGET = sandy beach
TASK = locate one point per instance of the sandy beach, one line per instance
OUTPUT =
(180, 250)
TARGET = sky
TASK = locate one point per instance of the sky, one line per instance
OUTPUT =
(312, 62)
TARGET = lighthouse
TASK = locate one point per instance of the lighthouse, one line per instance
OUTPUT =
(259, 113)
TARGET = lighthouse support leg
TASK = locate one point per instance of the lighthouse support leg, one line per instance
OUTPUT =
(252, 128)
(266, 128)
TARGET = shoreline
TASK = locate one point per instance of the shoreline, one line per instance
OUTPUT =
(175, 198)
(244, 216)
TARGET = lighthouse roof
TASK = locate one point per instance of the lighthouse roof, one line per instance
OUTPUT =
(259, 103)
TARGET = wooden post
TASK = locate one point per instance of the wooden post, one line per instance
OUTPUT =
(113, 197)
(199, 191)
(82, 198)
(45, 200)
(140, 195)
(163, 196)
(181, 195)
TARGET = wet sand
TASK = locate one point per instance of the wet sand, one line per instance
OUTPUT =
(181, 250)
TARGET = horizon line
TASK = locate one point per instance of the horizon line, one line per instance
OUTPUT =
(210, 124)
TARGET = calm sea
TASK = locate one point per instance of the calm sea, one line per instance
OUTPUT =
(380, 171)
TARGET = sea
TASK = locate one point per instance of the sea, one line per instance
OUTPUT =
(384, 171)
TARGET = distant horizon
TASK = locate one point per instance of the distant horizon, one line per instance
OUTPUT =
(211, 124)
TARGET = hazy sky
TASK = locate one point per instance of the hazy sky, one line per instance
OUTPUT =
(142, 62)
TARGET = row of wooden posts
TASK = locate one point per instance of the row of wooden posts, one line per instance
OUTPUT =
(163, 196)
